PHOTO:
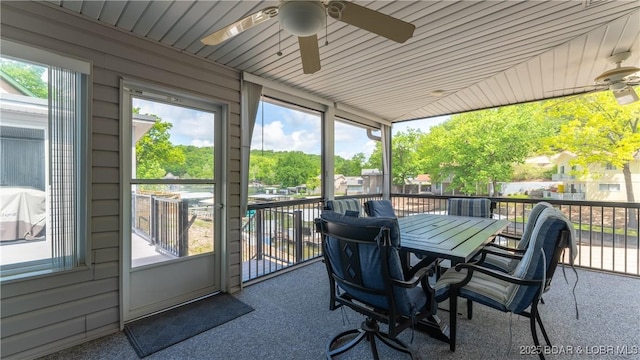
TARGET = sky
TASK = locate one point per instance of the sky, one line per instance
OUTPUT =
(284, 129)
(190, 127)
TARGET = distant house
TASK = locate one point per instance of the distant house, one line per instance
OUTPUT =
(23, 131)
(371, 181)
(424, 183)
(602, 182)
(354, 185)
(339, 183)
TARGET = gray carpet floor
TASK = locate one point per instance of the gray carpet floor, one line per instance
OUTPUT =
(292, 321)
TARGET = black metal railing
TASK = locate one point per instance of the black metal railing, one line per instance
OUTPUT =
(163, 221)
(170, 225)
(607, 232)
(278, 235)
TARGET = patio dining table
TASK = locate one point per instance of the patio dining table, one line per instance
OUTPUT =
(456, 238)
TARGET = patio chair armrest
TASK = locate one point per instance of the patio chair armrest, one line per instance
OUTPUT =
(415, 280)
(505, 248)
(509, 254)
(471, 267)
(509, 236)
(484, 252)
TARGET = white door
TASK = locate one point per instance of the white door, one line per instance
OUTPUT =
(171, 199)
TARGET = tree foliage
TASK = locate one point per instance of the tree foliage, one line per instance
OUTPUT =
(27, 75)
(598, 130)
(350, 167)
(404, 157)
(481, 147)
(155, 152)
(295, 168)
(198, 162)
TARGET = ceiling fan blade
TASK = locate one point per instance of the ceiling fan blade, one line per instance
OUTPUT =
(241, 25)
(592, 87)
(310, 53)
(371, 20)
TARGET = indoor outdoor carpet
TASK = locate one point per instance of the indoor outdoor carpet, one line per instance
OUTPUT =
(160, 331)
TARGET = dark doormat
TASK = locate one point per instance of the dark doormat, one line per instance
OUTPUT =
(160, 331)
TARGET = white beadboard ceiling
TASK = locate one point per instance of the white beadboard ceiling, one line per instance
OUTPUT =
(483, 54)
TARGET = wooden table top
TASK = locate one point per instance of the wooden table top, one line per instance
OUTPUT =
(457, 238)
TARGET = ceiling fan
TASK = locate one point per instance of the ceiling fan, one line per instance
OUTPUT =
(619, 80)
(305, 18)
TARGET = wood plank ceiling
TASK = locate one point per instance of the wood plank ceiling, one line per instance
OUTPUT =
(482, 54)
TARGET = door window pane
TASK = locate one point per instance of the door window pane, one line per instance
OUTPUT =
(172, 185)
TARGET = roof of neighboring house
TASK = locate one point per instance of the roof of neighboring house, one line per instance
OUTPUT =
(423, 178)
(7, 80)
(353, 180)
(370, 172)
(562, 157)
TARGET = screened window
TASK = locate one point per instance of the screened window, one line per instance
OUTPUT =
(285, 159)
(610, 166)
(43, 145)
(357, 160)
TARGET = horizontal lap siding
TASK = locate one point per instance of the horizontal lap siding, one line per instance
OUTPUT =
(46, 314)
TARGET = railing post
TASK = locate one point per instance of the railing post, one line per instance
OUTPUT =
(183, 231)
(297, 235)
(259, 234)
(153, 219)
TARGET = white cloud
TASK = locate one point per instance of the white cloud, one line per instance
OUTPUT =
(276, 138)
(190, 126)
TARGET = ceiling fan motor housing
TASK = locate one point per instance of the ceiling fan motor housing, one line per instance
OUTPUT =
(302, 18)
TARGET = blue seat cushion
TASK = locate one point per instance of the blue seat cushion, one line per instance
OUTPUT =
(379, 208)
(408, 301)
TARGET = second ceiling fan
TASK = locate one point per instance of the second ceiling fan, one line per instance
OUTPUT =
(305, 19)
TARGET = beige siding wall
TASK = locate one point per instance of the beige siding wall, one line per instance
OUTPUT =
(44, 314)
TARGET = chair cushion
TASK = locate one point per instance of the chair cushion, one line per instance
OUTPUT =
(505, 264)
(353, 213)
(469, 207)
(482, 288)
(391, 223)
(500, 294)
(408, 301)
(379, 208)
(341, 206)
(537, 258)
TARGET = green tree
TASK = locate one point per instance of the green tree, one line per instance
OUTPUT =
(481, 147)
(27, 75)
(404, 158)
(295, 168)
(350, 167)
(154, 151)
(262, 167)
(599, 131)
(405, 162)
(198, 163)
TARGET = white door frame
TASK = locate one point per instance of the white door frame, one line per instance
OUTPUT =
(199, 264)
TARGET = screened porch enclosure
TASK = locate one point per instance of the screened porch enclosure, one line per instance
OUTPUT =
(464, 55)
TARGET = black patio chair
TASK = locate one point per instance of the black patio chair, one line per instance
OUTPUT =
(520, 289)
(365, 274)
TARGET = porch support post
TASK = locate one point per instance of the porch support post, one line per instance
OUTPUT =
(385, 131)
(328, 150)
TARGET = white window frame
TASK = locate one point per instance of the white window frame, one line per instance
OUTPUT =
(81, 247)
